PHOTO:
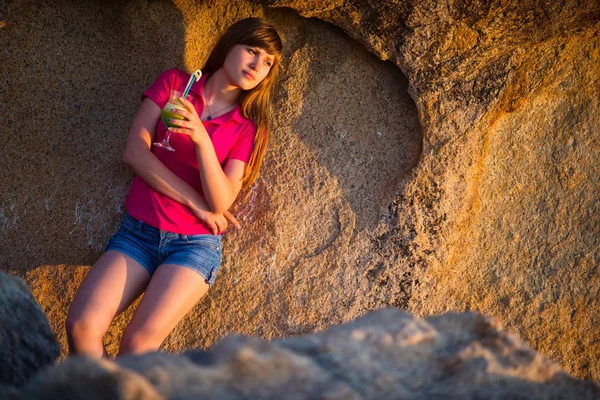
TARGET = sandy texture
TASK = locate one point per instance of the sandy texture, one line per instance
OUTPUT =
(462, 174)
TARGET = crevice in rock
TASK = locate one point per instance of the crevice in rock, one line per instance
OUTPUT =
(335, 231)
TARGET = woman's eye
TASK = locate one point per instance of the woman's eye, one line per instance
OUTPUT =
(251, 51)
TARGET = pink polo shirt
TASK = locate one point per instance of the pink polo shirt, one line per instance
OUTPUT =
(232, 136)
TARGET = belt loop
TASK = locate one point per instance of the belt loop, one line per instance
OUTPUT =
(140, 225)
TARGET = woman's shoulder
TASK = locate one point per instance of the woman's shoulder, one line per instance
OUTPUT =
(173, 78)
(174, 73)
(246, 123)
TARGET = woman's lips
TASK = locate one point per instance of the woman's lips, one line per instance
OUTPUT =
(248, 75)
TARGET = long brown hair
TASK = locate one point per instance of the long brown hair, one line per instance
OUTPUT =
(256, 103)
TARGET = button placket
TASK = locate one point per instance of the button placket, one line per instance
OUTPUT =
(162, 242)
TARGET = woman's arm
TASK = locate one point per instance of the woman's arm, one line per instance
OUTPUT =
(144, 163)
(220, 186)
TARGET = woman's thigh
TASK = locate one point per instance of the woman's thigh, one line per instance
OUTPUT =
(112, 284)
(171, 293)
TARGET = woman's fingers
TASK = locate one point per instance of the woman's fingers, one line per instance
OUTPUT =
(191, 126)
(184, 113)
(229, 216)
(213, 227)
(222, 223)
(188, 106)
(182, 126)
(185, 131)
(182, 123)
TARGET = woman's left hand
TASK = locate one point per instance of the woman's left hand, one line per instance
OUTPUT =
(193, 126)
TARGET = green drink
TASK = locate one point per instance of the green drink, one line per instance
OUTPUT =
(166, 114)
(175, 103)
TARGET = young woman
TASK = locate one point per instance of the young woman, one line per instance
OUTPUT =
(169, 244)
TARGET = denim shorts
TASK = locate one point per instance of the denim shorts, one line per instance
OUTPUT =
(152, 247)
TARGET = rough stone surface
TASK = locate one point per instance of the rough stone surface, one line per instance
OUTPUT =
(502, 214)
(344, 159)
(383, 355)
(26, 342)
(468, 183)
(83, 378)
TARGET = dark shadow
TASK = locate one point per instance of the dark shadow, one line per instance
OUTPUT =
(74, 72)
(368, 138)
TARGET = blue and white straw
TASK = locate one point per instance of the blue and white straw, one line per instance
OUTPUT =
(196, 74)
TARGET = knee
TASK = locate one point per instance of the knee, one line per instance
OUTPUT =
(137, 341)
(81, 329)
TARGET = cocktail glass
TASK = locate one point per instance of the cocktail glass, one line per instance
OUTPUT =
(166, 114)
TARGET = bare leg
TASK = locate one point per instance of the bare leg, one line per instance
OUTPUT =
(109, 288)
(171, 293)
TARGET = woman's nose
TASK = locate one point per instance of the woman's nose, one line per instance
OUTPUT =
(253, 64)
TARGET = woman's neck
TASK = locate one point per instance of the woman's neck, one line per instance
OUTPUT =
(218, 89)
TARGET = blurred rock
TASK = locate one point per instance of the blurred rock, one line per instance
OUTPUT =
(84, 378)
(10, 393)
(383, 355)
(26, 342)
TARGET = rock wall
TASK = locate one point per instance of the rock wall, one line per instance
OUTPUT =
(459, 175)
(502, 215)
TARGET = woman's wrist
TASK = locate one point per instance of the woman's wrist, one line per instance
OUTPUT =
(194, 205)
(203, 142)
(197, 204)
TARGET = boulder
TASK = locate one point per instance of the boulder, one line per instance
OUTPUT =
(385, 354)
(26, 342)
(80, 378)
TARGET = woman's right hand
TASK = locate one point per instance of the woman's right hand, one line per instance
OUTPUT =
(229, 217)
(217, 222)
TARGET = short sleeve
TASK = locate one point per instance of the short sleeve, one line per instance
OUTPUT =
(242, 149)
(160, 89)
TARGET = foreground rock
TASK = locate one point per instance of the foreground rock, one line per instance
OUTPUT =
(386, 354)
(26, 342)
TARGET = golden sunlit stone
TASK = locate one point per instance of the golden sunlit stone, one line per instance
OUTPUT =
(461, 174)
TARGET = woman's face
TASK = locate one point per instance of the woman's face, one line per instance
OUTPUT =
(246, 66)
